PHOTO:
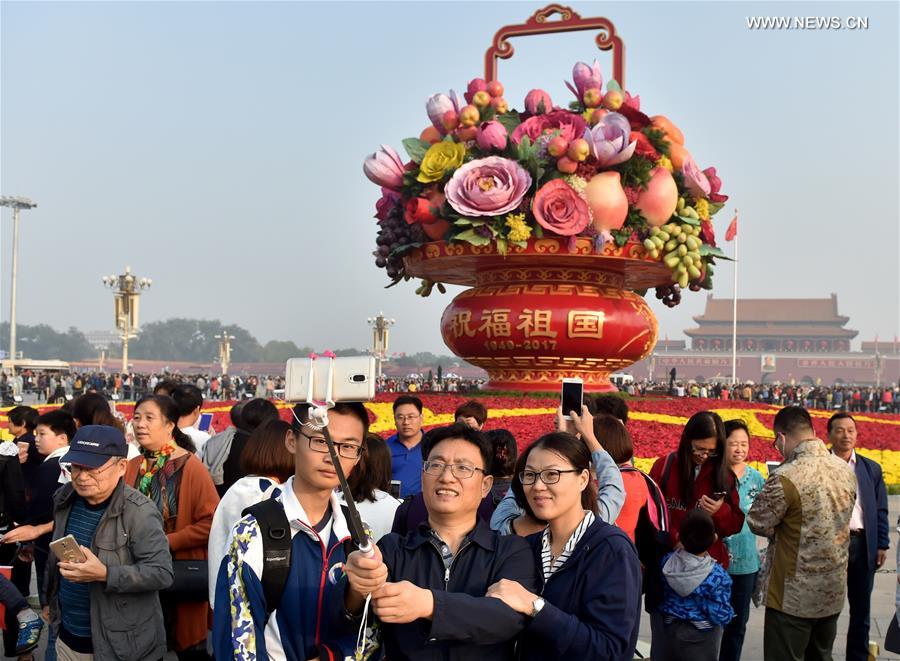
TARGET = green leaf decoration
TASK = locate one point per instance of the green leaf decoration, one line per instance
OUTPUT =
(707, 250)
(510, 121)
(473, 237)
(715, 207)
(415, 148)
(688, 220)
(462, 221)
(538, 231)
(613, 86)
(658, 139)
(502, 246)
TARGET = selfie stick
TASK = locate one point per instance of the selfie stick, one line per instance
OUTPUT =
(318, 418)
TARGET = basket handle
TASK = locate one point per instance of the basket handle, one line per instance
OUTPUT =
(569, 21)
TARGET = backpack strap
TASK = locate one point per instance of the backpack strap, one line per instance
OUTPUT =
(276, 536)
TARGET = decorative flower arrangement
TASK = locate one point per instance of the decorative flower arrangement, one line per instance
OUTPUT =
(482, 173)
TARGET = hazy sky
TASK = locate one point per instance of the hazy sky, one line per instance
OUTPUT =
(217, 148)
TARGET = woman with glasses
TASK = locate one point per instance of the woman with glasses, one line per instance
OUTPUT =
(588, 602)
(696, 476)
(169, 474)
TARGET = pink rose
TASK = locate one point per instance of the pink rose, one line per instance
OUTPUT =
(569, 125)
(487, 187)
(558, 208)
(491, 136)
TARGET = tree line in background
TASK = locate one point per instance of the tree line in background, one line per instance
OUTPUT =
(177, 339)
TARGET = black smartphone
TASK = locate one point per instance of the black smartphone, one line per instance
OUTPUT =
(395, 489)
(719, 495)
(572, 396)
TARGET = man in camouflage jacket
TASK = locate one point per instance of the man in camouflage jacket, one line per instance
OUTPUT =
(804, 509)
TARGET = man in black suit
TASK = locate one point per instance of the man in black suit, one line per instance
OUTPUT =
(869, 540)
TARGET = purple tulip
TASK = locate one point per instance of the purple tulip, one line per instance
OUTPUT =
(437, 106)
(489, 186)
(384, 168)
(537, 102)
(491, 136)
(608, 140)
(694, 179)
(585, 77)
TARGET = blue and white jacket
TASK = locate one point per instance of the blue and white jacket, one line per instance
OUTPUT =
(310, 622)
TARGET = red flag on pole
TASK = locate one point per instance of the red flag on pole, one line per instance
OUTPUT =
(731, 232)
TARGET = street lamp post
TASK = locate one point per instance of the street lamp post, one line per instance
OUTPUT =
(127, 290)
(16, 204)
(380, 326)
(224, 350)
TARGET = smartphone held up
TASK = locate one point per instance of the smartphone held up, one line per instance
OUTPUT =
(571, 397)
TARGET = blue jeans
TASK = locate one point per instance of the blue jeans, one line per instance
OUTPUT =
(733, 638)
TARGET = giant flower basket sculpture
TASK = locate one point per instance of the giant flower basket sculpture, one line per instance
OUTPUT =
(559, 219)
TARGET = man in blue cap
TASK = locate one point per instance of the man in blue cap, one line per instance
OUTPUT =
(107, 605)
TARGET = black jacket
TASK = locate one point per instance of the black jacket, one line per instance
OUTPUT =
(593, 602)
(12, 491)
(466, 624)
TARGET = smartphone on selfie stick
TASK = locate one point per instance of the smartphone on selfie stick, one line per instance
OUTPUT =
(359, 383)
(571, 397)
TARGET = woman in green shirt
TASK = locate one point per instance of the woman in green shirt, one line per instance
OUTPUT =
(744, 558)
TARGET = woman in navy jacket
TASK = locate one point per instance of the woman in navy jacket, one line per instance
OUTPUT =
(590, 578)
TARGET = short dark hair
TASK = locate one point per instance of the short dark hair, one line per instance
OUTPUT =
(265, 453)
(792, 420)
(92, 408)
(23, 416)
(59, 422)
(734, 425)
(472, 409)
(464, 433)
(165, 387)
(407, 399)
(356, 409)
(614, 437)
(506, 452)
(612, 405)
(235, 413)
(697, 532)
(256, 412)
(840, 415)
(373, 472)
(187, 398)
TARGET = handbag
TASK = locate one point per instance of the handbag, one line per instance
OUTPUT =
(892, 637)
(191, 580)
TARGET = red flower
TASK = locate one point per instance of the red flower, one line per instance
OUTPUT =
(425, 210)
(569, 125)
(644, 147)
(558, 208)
(635, 117)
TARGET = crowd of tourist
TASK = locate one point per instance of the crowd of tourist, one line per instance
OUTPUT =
(855, 399)
(148, 535)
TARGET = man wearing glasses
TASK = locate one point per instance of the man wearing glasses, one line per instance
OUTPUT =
(107, 606)
(406, 445)
(306, 619)
(428, 587)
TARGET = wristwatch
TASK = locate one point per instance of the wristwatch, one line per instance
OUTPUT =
(536, 606)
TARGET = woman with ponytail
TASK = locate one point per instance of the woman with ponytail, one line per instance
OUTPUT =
(171, 476)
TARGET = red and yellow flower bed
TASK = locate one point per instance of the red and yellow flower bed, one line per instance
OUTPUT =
(655, 424)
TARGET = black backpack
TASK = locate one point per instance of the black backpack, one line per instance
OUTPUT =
(276, 536)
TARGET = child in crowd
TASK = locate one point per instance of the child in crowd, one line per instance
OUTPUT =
(696, 602)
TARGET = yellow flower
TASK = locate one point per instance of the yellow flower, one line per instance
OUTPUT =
(518, 228)
(664, 162)
(439, 158)
(702, 209)
(577, 183)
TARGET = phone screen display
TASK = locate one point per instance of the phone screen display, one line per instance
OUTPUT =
(572, 394)
(205, 421)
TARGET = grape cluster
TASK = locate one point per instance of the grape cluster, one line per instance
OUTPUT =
(394, 233)
(670, 295)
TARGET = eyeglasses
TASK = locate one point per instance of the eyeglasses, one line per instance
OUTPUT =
(346, 450)
(77, 470)
(549, 476)
(703, 452)
(410, 417)
(459, 471)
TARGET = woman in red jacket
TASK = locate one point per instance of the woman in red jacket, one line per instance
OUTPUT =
(696, 476)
